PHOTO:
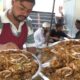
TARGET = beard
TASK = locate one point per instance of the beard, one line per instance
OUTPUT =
(19, 18)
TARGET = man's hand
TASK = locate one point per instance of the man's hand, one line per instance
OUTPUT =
(7, 46)
(55, 38)
(60, 10)
(32, 50)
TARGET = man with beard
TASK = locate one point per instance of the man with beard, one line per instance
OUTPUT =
(40, 35)
(14, 26)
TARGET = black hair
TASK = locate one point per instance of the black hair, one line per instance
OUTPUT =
(32, 1)
(58, 25)
(78, 21)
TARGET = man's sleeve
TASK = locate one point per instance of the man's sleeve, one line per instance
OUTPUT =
(64, 34)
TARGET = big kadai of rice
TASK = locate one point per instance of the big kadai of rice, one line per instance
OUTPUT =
(17, 65)
(66, 64)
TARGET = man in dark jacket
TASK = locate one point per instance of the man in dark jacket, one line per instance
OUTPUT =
(58, 33)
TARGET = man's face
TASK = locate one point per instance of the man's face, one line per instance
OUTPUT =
(77, 25)
(60, 28)
(21, 10)
(47, 29)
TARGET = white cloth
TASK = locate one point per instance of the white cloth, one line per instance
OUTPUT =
(39, 38)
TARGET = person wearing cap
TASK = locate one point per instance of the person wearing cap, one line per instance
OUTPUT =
(77, 24)
(40, 35)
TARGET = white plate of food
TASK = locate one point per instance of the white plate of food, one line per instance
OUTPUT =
(65, 65)
(18, 64)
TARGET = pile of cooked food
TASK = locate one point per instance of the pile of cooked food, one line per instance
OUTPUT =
(17, 65)
(65, 64)
(45, 55)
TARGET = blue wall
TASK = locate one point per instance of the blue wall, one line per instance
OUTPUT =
(69, 16)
